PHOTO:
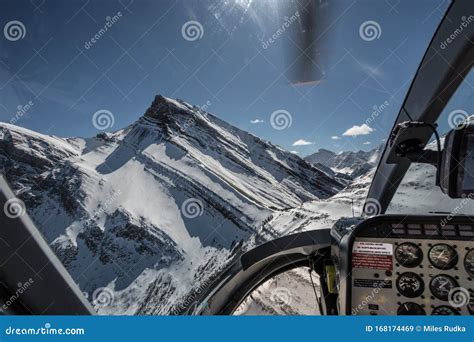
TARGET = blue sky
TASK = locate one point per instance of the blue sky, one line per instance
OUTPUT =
(228, 69)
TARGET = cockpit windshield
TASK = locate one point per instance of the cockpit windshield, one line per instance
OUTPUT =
(153, 143)
(418, 192)
(238, 59)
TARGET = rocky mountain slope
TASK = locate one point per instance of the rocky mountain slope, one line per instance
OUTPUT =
(143, 215)
(352, 164)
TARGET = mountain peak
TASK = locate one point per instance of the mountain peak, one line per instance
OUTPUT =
(162, 106)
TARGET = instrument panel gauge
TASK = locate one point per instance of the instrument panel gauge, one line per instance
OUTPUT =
(444, 310)
(441, 286)
(469, 263)
(410, 308)
(410, 284)
(443, 256)
(409, 254)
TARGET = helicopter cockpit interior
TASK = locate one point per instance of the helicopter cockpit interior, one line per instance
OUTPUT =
(418, 262)
(382, 263)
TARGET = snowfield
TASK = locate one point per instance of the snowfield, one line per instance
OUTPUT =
(145, 216)
(142, 216)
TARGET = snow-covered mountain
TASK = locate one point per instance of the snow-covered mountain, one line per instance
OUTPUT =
(142, 216)
(353, 164)
(291, 292)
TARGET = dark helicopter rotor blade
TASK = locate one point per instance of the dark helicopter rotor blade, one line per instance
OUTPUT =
(307, 43)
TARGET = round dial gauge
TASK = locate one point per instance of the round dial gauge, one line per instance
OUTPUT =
(444, 310)
(469, 263)
(408, 254)
(410, 284)
(410, 308)
(442, 285)
(443, 256)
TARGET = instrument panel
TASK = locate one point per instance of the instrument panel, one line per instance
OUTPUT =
(411, 269)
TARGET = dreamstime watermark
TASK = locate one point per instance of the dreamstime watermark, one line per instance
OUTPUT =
(458, 119)
(465, 22)
(103, 119)
(372, 207)
(192, 208)
(21, 288)
(21, 111)
(14, 30)
(103, 209)
(46, 330)
(205, 106)
(102, 297)
(281, 119)
(188, 123)
(370, 30)
(191, 120)
(109, 23)
(281, 296)
(191, 305)
(456, 210)
(371, 296)
(282, 29)
(14, 208)
(376, 111)
(459, 297)
(192, 30)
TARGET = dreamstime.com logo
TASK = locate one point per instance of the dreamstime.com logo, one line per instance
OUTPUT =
(465, 22)
(370, 30)
(458, 119)
(14, 30)
(370, 298)
(47, 329)
(282, 29)
(459, 297)
(192, 30)
(191, 305)
(281, 296)
(192, 208)
(456, 210)
(103, 297)
(372, 207)
(21, 288)
(14, 208)
(103, 119)
(376, 111)
(21, 111)
(103, 208)
(281, 119)
(110, 21)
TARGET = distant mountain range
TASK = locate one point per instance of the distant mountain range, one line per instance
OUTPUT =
(352, 164)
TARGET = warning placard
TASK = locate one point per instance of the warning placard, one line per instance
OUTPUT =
(372, 255)
(377, 248)
(373, 283)
(376, 262)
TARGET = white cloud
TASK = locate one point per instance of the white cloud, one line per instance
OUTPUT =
(295, 152)
(367, 143)
(302, 142)
(335, 137)
(256, 121)
(355, 130)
